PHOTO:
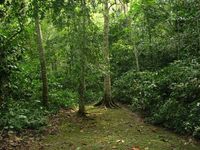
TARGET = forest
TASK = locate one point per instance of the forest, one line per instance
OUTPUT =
(100, 74)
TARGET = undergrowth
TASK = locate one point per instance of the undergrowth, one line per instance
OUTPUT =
(169, 97)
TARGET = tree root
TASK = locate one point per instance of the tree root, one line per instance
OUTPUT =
(107, 104)
(81, 114)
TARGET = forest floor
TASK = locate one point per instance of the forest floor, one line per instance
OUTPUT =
(107, 129)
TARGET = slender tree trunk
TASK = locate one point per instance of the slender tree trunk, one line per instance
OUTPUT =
(107, 79)
(54, 64)
(149, 33)
(135, 51)
(136, 58)
(178, 31)
(178, 41)
(107, 99)
(81, 110)
(133, 42)
(150, 44)
(42, 61)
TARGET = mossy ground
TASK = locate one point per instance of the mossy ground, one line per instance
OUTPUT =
(108, 129)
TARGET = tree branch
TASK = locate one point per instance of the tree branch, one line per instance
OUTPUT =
(112, 5)
(15, 34)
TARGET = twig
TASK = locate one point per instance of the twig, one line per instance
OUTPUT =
(112, 5)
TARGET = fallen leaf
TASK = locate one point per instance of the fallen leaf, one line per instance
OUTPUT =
(154, 130)
(114, 147)
(78, 148)
(120, 141)
(135, 148)
(18, 139)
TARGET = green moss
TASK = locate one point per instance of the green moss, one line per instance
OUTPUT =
(114, 129)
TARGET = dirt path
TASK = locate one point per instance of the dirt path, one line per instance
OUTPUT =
(111, 129)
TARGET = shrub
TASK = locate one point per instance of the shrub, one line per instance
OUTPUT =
(169, 97)
(19, 115)
(63, 98)
(136, 89)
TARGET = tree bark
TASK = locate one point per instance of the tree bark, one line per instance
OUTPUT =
(81, 110)
(42, 61)
(136, 58)
(133, 42)
(107, 80)
(107, 99)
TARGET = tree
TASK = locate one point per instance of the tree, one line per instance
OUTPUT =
(41, 56)
(78, 26)
(81, 91)
(107, 99)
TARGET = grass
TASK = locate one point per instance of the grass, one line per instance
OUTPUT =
(108, 129)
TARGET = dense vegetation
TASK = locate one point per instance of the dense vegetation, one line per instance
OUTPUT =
(64, 53)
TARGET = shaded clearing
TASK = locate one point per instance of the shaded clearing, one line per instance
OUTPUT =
(107, 129)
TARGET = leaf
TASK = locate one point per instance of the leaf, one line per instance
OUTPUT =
(135, 148)
(78, 148)
(120, 141)
(18, 139)
(114, 147)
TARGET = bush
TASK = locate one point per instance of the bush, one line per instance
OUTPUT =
(63, 98)
(169, 97)
(137, 87)
(20, 115)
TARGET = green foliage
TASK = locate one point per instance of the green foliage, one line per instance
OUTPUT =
(26, 81)
(137, 87)
(169, 97)
(165, 90)
(19, 115)
(63, 98)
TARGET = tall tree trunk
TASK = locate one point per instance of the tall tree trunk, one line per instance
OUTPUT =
(135, 51)
(107, 99)
(133, 42)
(42, 61)
(150, 44)
(107, 79)
(54, 66)
(178, 41)
(81, 110)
